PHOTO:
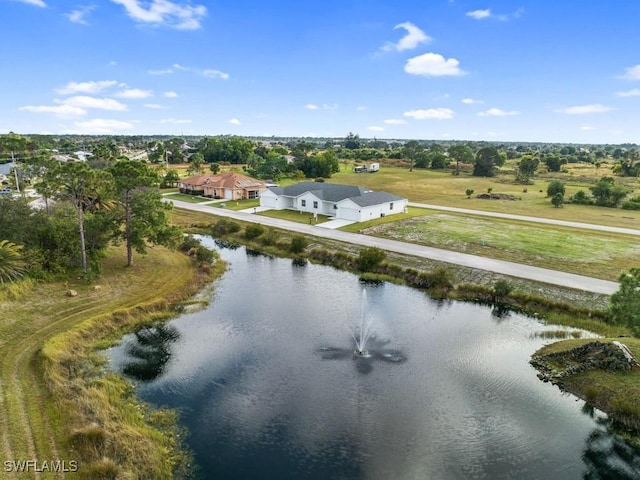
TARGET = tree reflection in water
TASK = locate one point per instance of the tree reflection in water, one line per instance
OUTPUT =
(607, 457)
(151, 350)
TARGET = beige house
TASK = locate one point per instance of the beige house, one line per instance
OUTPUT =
(229, 185)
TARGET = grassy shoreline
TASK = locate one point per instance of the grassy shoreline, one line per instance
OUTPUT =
(61, 401)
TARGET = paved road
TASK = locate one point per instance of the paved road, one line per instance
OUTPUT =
(544, 275)
(548, 221)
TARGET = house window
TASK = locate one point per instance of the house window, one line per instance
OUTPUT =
(315, 204)
(303, 203)
(335, 207)
(391, 206)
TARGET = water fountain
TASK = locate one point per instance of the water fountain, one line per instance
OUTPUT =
(362, 335)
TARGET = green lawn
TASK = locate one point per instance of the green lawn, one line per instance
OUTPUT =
(442, 188)
(597, 254)
(238, 204)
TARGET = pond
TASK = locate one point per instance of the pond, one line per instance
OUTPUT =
(268, 386)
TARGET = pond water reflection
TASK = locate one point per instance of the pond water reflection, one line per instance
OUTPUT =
(268, 386)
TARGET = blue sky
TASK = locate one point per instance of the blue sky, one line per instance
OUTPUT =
(532, 70)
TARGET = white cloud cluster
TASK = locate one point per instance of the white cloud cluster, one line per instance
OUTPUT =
(165, 13)
(207, 72)
(174, 121)
(585, 109)
(85, 87)
(235, 121)
(171, 94)
(629, 93)
(414, 37)
(497, 112)
(631, 73)
(324, 106)
(471, 101)
(78, 15)
(487, 13)
(78, 99)
(375, 128)
(479, 14)
(134, 93)
(430, 114)
(433, 65)
(37, 3)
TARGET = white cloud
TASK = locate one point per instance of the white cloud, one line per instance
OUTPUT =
(112, 63)
(155, 106)
(505, 17)
(166, 71)
(84, 101)
(496, 112)
(326, 106)
(631, 73)
(430, 114)
(411, 40)
(361, 108)
(78, 15)
(629, 93)
(585, 109)
(215, 74)
(471, 101)
(164, 13)
(587, 128)
(235, 121)
(479, 14)
(395, 121)
(62, 111)
(375, 128)
(174, 121)
(311, 106)
(101, 126)
(170, 94)
(134, 93)
(37, 3)
(433, 65)
(85, 87)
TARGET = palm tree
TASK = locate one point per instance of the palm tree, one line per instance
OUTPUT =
(11, 263)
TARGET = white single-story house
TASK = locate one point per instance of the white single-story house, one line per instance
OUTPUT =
(346, 202)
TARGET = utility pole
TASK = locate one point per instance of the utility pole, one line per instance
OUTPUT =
(15, 171)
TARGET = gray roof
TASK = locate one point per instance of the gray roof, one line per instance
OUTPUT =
(335, 192)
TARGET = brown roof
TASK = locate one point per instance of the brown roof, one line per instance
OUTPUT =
(224, 180)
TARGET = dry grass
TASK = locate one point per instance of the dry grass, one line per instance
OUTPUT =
(55, 400)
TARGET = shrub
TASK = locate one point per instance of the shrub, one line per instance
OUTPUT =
(632, 203)
(205, 255)
(271, 238)
(298, 244)
(370, 258)
(188, 242)
(224, 227)
(253, 231)
(501, 290)
(468, 192)
(581, 198)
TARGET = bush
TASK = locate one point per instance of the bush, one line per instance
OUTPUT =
(632, 203)
(501, 290)
(205, 255)
(468, 192)
(224, 227)
(271, 238)
(189, 242)
(557, 200)
(580, 198)
(298, 244)
(253, 231)
(370, 258)
(556, 186)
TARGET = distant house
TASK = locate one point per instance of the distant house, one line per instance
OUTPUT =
(229, 185)
(346, 202)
